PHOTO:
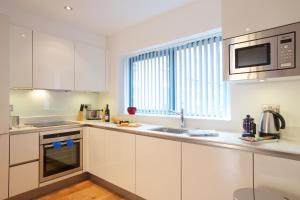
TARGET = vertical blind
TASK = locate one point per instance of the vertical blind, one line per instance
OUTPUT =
(188, 76)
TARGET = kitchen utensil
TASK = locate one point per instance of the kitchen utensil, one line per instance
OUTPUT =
(270, 124)
(249, 127)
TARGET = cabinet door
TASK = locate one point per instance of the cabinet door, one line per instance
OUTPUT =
(89, 68)
(20, 57)
(4, 163)
(158, 168)
(214, 173)
(24, 148)
(53, 62)
(23, 178)
(96, 152)
(278, 174)
(120, 159)
(4, 75)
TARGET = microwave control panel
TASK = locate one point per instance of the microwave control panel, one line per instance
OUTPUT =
(286, 51)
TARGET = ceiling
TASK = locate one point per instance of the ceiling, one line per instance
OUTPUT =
(103, 17)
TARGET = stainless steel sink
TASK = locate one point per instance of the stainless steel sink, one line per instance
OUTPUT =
(169, 130)
(190, 132)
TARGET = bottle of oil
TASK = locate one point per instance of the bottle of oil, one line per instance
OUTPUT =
(107, 114)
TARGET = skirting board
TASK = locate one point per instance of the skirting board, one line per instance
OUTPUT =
(114, 188)
(33, 194)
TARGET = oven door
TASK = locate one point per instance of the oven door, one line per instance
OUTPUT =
(57, 162)
(253, 56)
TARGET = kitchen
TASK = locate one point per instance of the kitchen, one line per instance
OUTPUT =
(57, 55)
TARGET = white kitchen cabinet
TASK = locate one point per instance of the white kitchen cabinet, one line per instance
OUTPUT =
(4, 163)
(86, 134)
(23, 178)
(24, 148)
(120, 159)
(4, 74)
(243, 16)
(89, 68)
(53, 62)
(214, 173)
(158, 168)
(20, 57)
(278, 174)
(96, 153)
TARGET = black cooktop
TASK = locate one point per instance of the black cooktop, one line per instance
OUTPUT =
(53, 123)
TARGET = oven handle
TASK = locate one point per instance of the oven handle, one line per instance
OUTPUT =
(63, 143)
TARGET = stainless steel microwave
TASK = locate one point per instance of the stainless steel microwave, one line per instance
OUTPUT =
(266, 54)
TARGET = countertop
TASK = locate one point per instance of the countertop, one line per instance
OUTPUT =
(282, 148)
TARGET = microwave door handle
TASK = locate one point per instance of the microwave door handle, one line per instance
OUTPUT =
(63, 143)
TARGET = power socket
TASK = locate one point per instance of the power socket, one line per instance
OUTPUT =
(273, 107)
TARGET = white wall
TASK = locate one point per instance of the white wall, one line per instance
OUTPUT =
(186, 21)
(246, 98)
(34, 103)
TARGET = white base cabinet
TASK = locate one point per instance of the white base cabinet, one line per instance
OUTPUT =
(23, 178)
(120, 159)
(24, 148)
(96, 152)
(112, 157)
(214, 173)
(278, 174)
(4, 164)
(158, 168)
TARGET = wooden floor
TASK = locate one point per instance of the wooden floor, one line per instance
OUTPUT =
(85, 190)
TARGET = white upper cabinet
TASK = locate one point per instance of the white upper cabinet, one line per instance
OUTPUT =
(214, 173)
(89, 68)
(20, 57)
(53, 62)
(243, 16)
(278, 174)
(158, 168)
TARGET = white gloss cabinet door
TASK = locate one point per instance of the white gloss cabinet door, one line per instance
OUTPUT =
(96, 152)
(214, 173)
(277, 174)
(24, 148)
(158, 168)
(53, 62)
(89, 68)
(4, 163)
(20, 57)
(120, 159)
(4, 74)
(23, 178)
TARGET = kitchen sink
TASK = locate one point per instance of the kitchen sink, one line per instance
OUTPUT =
(170, 130)
(190, 132)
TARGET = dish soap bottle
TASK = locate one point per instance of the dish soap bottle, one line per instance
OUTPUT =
(107, 114)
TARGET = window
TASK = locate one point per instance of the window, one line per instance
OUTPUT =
(187, 76)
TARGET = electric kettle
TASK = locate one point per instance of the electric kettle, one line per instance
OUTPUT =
(270, 124)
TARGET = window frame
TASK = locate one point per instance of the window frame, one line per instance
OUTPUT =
(171, 51)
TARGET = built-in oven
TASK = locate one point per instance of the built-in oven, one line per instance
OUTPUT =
(265, 54)
(60, 153)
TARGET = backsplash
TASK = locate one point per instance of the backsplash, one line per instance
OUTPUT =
(34, 103)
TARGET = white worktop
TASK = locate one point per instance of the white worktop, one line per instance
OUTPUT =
(283, 147)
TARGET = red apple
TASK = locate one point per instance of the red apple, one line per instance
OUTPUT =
(131, 110)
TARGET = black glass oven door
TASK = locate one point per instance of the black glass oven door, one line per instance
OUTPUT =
(62, 159)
